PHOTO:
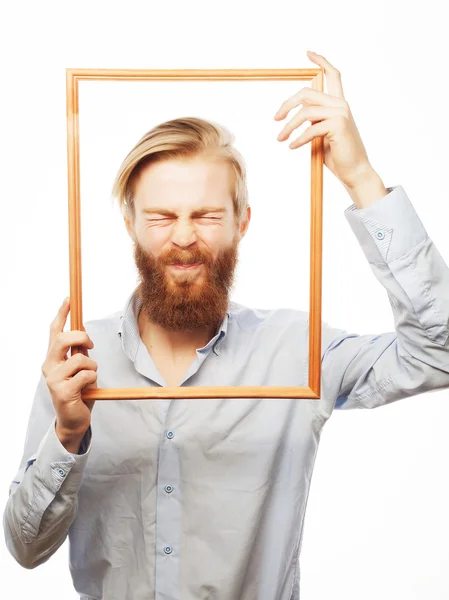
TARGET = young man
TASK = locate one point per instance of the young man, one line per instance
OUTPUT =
(190, 499)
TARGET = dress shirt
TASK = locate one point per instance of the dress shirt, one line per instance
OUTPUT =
(205, 499)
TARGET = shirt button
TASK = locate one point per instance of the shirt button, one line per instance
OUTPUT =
(380, 235)
(170, 434)
(61, 472)
(167, 549)
(168, 489)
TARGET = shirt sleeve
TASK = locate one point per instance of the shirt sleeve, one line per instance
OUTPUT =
(43, 500)
(367, 371)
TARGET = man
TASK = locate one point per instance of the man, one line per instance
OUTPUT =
(199, 499)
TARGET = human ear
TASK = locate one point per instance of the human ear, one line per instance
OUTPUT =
(245, 224)
(129, 228)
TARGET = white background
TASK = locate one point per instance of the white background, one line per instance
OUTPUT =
(377, 522)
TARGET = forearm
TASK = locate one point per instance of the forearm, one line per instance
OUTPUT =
(367, 190)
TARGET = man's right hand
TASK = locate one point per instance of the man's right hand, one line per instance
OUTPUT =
(66, 377)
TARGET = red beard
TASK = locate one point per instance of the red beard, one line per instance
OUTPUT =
(183, 300)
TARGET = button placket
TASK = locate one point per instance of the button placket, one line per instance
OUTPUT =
(169, 488)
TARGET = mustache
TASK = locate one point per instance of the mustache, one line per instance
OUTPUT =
(176, 257)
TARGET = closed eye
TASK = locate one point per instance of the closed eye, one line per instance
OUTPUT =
(169, 218)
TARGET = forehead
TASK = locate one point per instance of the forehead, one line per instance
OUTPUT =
(182, 182)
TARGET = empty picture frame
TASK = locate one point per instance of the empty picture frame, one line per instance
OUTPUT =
(316, 77)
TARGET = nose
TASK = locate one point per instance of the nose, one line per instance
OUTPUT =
(183, 233)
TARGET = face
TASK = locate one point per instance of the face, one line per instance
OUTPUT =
(185, 242)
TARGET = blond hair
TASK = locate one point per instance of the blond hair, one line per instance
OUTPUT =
(187, 137)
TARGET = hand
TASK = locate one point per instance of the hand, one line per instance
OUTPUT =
(66, 377)
(344, 153)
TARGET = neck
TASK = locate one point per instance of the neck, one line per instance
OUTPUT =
(173, 342)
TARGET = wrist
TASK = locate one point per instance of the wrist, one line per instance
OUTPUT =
(69, 439)
(367, 189)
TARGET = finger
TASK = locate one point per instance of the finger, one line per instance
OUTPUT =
(80, 381)
(333, 75)
(308, 113)
(319, 129)
(307, 96)
(70, 367)
(58, 323)
(65, 340)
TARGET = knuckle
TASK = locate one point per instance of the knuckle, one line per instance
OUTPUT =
(345, 113)
(59, 338)
(334, 123)
(79, 358)
(49, 380)
(306, 111)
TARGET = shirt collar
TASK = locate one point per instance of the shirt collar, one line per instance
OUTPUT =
(128, 328)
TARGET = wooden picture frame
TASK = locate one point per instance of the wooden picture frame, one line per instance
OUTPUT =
(316, 76)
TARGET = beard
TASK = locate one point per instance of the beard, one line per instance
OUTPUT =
(183, 300)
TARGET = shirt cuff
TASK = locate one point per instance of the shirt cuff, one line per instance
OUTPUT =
(387, 229)
(55, 464)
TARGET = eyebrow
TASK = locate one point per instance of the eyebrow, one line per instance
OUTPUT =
(200, 211)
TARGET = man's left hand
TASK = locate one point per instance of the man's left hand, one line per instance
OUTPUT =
(330, 115)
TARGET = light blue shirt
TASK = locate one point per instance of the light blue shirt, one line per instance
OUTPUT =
(205, 499)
